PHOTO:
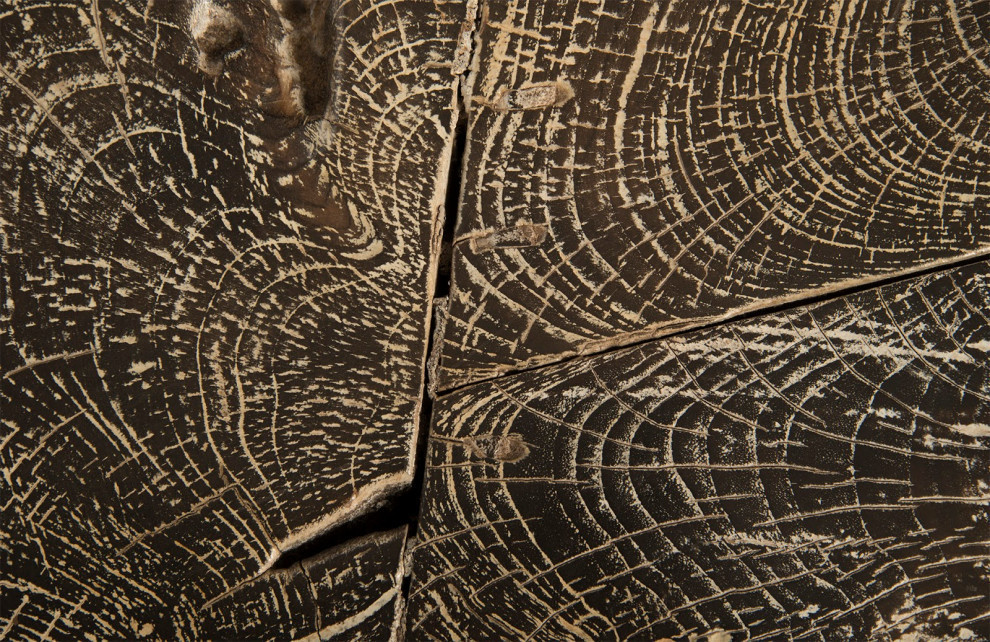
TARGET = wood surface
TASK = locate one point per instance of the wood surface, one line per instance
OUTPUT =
(351, 592)
(220, 224)
(819, 474)
(228, 225)
(639, 167)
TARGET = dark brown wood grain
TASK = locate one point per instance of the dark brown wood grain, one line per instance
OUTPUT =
(670, 397)
(819, 474)
(635, 168)
(220, 224)
(351, 592)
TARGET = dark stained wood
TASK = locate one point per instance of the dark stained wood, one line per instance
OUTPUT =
(220, 224)
(222, 229)
(347, 593)
(817, 474)
(639, 167)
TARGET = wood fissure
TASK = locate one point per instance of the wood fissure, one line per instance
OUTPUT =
(817, 473)
(803, 300)
(495, 319)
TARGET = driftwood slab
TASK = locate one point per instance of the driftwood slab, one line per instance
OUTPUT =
(219, 234)
(817, 474)
(638, 167)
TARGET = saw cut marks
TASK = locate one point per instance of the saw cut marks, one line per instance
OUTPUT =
(219, 223)
(685, 161)
(820, 474)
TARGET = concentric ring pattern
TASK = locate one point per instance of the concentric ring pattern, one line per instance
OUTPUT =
(214, 285)
(822, 474)
(687, 160)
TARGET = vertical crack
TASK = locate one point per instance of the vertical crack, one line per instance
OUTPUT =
(441, 290)
(451, 207)
(463, 68)
(402, 508)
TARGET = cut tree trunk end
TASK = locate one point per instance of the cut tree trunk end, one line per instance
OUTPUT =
(495, 320)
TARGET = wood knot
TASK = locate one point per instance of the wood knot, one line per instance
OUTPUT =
(304, 59)
(536, 96)
(505, 448)
(216, 32)
(522, 235)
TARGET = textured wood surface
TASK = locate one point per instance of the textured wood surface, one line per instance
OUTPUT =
(638, 167)
(219, 235)
(351, 592)
(817, 474)
(223, 241)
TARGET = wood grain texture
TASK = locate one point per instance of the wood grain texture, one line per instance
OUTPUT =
(639, 167)
(822, 473)
(219, 232)
(351, 592)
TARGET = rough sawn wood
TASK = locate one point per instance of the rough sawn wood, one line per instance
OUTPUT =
(644, 166)
(821, 474)
(221, 228)
(219, 234)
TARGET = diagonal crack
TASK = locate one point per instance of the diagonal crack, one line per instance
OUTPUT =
(804, 299)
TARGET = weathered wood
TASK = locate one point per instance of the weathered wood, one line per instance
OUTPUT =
(348, 593)
(638, 167)
(220, 224)
(817, 474)
(221, 228)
